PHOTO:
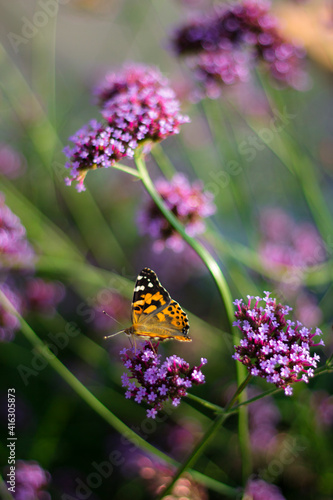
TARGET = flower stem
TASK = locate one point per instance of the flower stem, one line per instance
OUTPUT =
(197, 452)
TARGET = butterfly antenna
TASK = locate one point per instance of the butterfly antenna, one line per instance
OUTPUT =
(111, 317)
(114, 334)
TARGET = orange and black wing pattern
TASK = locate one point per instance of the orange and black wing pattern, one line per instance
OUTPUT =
(154, 314)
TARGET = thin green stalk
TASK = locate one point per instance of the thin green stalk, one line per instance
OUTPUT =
(162, 161)
(127, 170)
(206, 404)
(97, 406)
(211, 432)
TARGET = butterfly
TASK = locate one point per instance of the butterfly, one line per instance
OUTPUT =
(155, 315)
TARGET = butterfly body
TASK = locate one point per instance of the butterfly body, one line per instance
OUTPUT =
(155, 315)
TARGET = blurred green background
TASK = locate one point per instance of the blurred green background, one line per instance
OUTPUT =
(90, 243)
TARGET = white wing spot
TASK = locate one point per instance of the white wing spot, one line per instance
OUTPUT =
(139, 278)
(150, 285)
(138, 288)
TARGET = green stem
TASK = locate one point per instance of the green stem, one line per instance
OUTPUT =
(197, 452)
(127, 170)
(206, 404)
(162, 161)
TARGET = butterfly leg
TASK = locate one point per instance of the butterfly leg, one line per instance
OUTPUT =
(152, 347)
(134, 342)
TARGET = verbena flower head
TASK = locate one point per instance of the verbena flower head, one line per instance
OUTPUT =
(273, 347)
(15, 251)
(285, 242)
(9, 323)
(258, 489)
(246, 27)
(154, 382)
(187, 202)
(31, 480)
(43, 296)
(12, 164)
(139, 107)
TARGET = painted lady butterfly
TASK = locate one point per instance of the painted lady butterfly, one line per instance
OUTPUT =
(155, 315)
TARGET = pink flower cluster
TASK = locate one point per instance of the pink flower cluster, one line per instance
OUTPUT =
(222, 45)
(23, 290)
(31, 480)
(15, 251)
(139, 108)
(273, 347)
(153, 382)
(258, 489)
(285, 242)
(187, 202)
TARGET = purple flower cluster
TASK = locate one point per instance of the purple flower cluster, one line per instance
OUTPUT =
(257, 489)
(187, 202)
(43, 296)
(285, 242)
(17, 283)
(273, 347)
(15, 251)
(31, 480)
(138, 106)
(222, 45)
(12, 164)
(153, 382)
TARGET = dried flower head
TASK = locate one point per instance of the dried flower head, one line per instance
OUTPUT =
(187, 202)
(245, 27)
(153, 382)
(139, 107)
(273, 347)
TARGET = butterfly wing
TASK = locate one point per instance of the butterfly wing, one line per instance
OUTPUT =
(154, 314)
(149, 296)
